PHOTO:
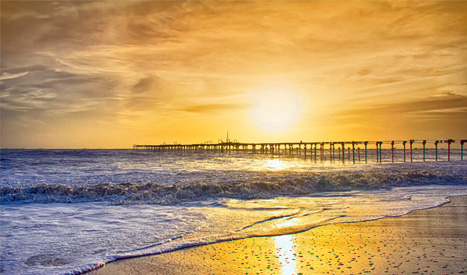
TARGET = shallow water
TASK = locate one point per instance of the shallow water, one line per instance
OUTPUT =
(69, 211)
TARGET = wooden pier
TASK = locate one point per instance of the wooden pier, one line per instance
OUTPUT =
(321, 151)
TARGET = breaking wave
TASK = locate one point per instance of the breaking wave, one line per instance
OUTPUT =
(244, 186)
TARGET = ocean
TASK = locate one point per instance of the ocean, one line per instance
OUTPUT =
(71, 211)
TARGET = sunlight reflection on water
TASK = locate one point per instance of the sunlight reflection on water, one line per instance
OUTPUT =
(276, 165)
(286, 253)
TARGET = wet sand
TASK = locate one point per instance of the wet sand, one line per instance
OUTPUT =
(432, 241)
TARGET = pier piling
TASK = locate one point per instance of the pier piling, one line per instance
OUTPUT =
(404, 143)
(449, 141)
(366, 147)
(462, 148)
(424, 145)
(377, 152)
(343, 152)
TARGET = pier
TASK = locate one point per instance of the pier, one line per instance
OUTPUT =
(342, 151)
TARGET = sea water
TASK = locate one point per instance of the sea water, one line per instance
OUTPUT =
(70, 211)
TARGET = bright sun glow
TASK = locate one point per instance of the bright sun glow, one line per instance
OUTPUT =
(276, 108)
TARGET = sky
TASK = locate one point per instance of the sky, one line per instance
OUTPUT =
(110, 74)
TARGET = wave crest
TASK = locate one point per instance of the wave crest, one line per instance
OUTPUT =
(248, 188)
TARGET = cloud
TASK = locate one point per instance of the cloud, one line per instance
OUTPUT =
(214, 108)
(6, 76)
(143, 85)
(76, 108)
(447, 108)
(36, 99)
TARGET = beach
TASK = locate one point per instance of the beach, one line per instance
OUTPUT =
(431, 241)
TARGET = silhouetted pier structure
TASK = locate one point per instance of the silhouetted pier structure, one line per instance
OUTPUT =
(319, 151)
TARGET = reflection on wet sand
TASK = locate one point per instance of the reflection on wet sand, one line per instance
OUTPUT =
(429, 241)
(286, 254)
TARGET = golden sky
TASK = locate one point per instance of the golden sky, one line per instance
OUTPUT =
(116, 73)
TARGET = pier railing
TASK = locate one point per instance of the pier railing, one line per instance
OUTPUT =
(345, 151)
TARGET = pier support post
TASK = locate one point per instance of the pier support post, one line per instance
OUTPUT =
(353, 151)
(377, 153)
(392, 150)
(411, 154)
(321, 151)
(330, 152)
(315, 150)
(381, 152)
(462, 148)
(343, 152)
(404, 143)
(323, 157)
(449, 141)
(366, 151)
(424, 145)
(333, 151)
(436, 150)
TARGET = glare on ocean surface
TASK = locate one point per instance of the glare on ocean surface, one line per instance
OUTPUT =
(276, 165)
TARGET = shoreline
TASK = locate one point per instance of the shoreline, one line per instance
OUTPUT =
(426, 241)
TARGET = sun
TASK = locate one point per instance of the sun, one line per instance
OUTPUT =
(275, 108)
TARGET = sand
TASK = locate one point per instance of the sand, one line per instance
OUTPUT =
(432, 241)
